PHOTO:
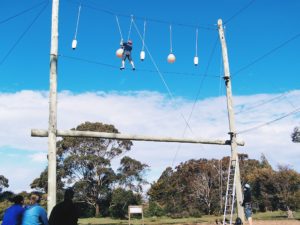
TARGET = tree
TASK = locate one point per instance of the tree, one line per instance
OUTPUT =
(3, 183)
(6, 196)
(263, 188)
(85, 164)
(121, 199)
(287, 185)
(162, 187)
(191, 190)
(195, 186)
(131, 174)
(296, 135)
(165, 192)
(41, 183)
(204, 183)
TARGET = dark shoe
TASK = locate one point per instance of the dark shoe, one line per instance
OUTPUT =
(133, 68)
(122, 68)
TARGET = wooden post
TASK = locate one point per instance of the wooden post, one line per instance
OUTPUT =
(234, 155)
(53, 109)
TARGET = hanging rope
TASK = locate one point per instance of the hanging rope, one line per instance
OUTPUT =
(162, 77)
(77, 23)
(171, 47)
(130, 26)
(117, 19)
(144, 34)
(196, 42)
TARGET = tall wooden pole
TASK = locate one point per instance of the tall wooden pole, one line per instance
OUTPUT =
(234, 155)
(53, 109)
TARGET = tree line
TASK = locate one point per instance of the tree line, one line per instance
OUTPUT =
(198, 187)
(193, 188)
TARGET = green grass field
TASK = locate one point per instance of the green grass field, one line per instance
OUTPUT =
(277, 215)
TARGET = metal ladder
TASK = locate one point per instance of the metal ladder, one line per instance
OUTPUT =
(230, 192)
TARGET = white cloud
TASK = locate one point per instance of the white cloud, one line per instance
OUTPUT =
(40, 157)
(149, 113)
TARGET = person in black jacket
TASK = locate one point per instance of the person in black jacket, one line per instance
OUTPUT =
(247, 203)
(127, 47)
(65, 213)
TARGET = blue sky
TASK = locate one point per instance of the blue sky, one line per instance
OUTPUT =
(263, 40)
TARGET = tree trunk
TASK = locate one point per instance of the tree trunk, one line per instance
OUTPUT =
(97, 213)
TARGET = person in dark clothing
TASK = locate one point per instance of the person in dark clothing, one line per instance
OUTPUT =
(65, 213)
(238, 221)
(127, 47)
(247, 203)
(13, 215)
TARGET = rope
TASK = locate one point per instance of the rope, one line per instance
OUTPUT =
(96, 7)
(266, 54)
(77, 23)
(144, 34)
(196, 99)
(171, 47)
(270, 122)
(161, 76)
(22, 12)
(142, 70)
(117, 19)
(130, 26)
(261, 103)
(196, 42)
(238, 12)
(24, 33)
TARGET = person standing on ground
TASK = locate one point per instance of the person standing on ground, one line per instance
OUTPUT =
(65, 213)
(35, 214)
(247, 203)
(13, 214)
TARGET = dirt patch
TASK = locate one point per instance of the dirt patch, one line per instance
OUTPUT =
(276, 222)
(260, 222)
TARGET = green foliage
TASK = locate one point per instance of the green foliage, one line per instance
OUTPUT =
(85, 210)
(296, 135)
(154, 209)
(40, 184)
(3, 206)
(131, 174)
(194, 187)
(5, 201)
(85, 163)
(287, 185)
(121, 199)
(6, 195)
(3, 183)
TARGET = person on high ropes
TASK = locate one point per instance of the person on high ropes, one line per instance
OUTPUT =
(127, 47)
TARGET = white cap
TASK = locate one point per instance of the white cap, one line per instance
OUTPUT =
(247, 186)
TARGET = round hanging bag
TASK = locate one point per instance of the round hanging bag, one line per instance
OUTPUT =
(119, 52)
(171, 58)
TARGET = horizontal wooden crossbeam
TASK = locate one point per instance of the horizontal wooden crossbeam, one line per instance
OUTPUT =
(75, 133)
